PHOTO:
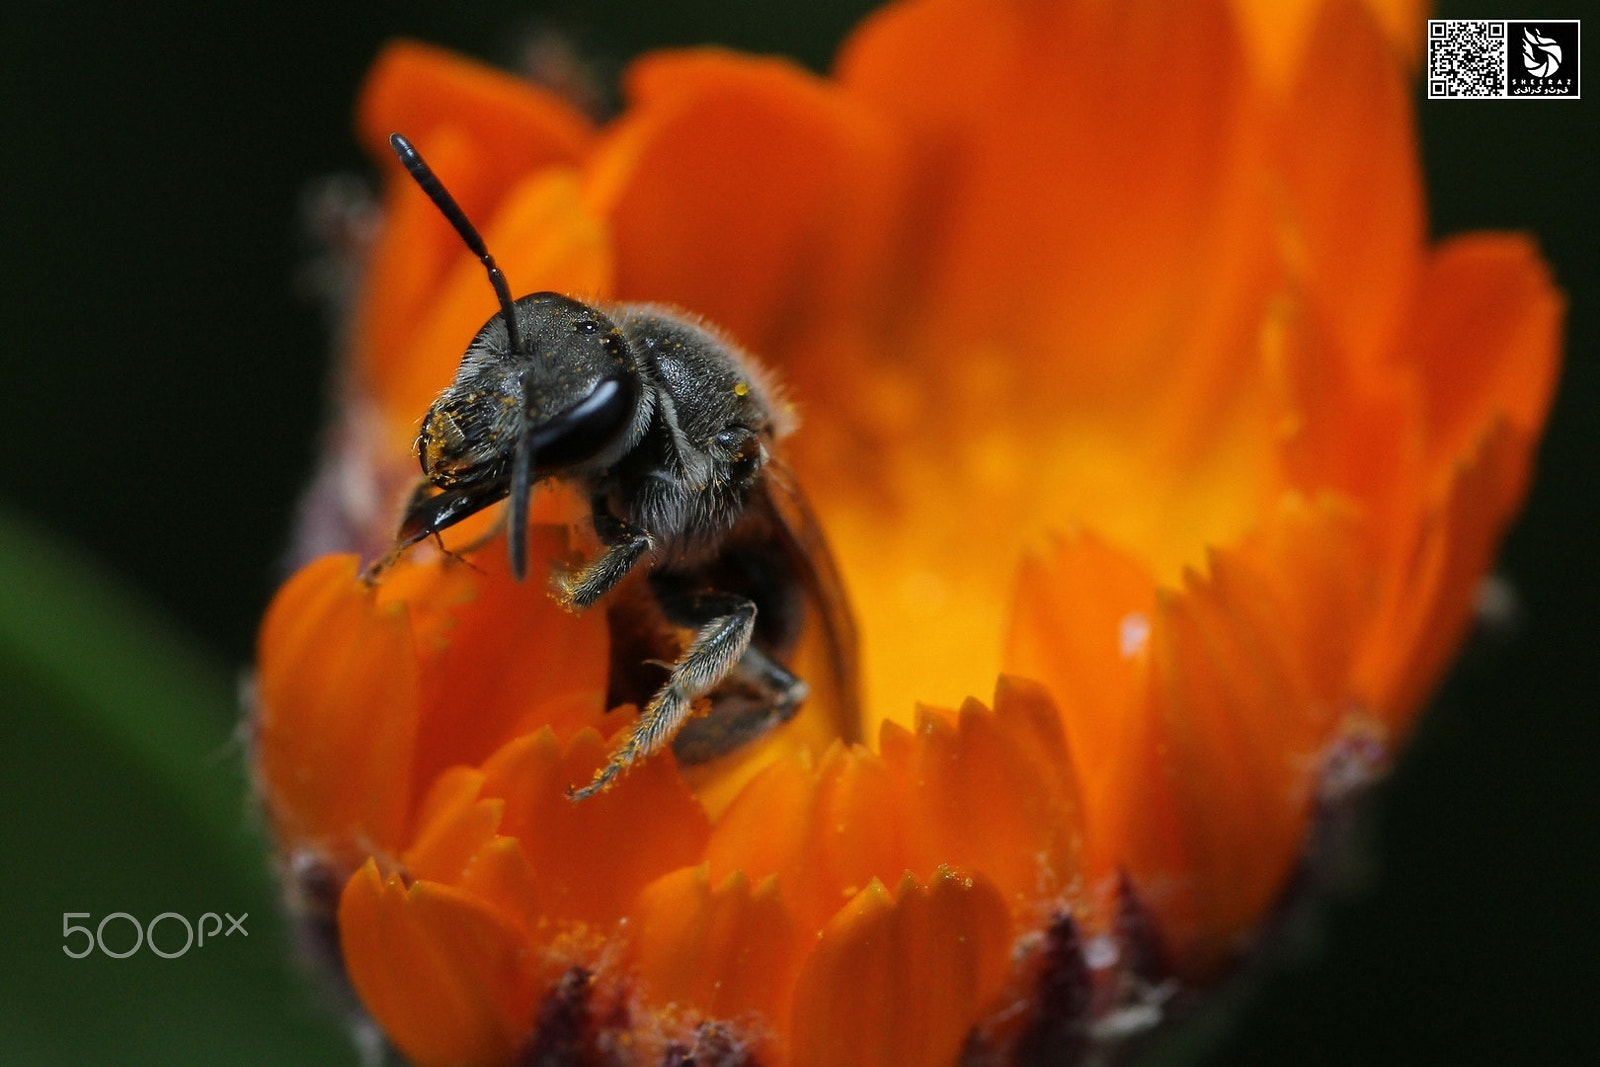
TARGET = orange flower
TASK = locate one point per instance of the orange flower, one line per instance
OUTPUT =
(1137, 402)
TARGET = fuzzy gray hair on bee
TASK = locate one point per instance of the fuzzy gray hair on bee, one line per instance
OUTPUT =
(666, 428)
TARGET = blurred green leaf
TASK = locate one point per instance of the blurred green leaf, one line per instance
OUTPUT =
(123, 790)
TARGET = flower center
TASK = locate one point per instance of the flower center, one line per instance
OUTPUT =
(930, 549)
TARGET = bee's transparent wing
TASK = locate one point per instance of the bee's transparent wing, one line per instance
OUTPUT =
(796, 528)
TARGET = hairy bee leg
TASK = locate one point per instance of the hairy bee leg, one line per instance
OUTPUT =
(580, 590)
(736, 717)
(625, 544)
(733, 724)
(713, 653)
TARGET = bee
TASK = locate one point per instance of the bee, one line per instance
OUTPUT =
(667, 429)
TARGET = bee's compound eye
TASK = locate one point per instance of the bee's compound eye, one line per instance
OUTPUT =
(588, 427)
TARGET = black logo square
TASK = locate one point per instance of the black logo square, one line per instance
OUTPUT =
(1542, 58)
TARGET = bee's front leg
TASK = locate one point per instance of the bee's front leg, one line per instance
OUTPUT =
(625, 545)
(715, 650)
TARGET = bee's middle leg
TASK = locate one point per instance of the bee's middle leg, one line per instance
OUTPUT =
(720, 644)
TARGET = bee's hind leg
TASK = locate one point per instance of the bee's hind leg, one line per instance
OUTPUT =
(726, 623)
(756, 694)
(767, 695)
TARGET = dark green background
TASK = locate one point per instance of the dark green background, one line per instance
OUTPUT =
(163, 388)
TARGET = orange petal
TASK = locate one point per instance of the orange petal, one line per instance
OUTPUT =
(1250, 690)
(1487, 342)
(457, 844)
(1242, 745)
(1306, 585)
(1428, 604)
(445, 976)
(1203, 832)
(1065, 216)
(500, 658)
(992, 794)
(859, 831)
(453, 824)
(746, 190)
(1279, 32)
(1199, 728)
(1347, 428)
(1081, 625)
(1403, 22)
(414, 88)
(825, 832)
(767, 827)
(1276, 32)
(725, 952)
(1349, 152)
(1084, 324)
(898, 979)
(338, 705)
(591, 859)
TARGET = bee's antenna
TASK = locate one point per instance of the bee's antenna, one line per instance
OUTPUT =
(521, 489)
(419, 169)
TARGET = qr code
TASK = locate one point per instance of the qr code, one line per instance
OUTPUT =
(1485, 59)
(1466, 58)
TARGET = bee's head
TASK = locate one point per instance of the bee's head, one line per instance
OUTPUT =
(572, 399)
(547, 386)
(580, 385)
